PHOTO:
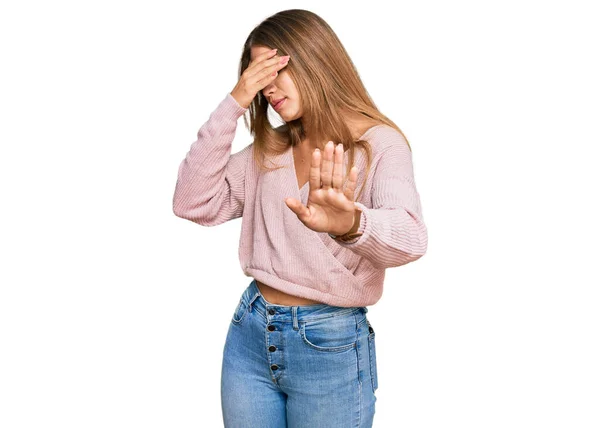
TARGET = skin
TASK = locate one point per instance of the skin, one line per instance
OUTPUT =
(329, 207)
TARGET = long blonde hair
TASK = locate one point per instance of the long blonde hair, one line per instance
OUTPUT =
(325, 78)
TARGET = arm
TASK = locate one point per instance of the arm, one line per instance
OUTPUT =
(210, 180)
(393, 231)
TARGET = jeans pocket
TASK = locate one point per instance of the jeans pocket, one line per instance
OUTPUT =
(372, 357)
(331, 334)
(240, 312)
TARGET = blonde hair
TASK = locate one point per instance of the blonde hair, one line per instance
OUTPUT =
(326, 80)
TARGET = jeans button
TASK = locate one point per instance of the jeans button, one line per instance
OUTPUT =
(272, 348)
(271, 327)
(271, 311)
(274, 367)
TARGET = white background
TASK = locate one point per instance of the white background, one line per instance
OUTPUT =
(113, 311)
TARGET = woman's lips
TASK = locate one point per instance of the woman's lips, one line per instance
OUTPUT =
(277, 106)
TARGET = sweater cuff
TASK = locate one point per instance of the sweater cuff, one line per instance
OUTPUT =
(231, 107)
(361, 227)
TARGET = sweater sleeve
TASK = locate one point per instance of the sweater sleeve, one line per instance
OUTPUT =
(210, 181)
(393, 231)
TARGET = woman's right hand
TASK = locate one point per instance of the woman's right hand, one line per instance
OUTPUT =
(262, 71)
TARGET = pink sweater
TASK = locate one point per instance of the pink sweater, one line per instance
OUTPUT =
(214, 186)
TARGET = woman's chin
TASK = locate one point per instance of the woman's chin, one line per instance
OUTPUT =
(288, 117)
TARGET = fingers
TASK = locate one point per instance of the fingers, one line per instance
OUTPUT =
(267, 67)
(261, 58)
(260, 62)
(327, 165)
(266, 76)
(338, 166)
(330, 171)
(351, 184)
(327, 171)
(314, 176)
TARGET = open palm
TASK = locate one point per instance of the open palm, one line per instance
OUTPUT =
(328, 208)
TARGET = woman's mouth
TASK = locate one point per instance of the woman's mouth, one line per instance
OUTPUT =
(277, 106)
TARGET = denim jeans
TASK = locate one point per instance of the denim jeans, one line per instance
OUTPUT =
(298, 366)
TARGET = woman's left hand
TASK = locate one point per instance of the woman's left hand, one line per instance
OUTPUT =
(328, 208)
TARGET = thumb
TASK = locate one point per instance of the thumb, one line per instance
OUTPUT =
(296, 206)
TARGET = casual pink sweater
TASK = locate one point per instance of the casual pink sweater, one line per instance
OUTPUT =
(214, 186)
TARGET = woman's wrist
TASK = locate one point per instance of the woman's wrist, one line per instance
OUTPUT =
(351, 234)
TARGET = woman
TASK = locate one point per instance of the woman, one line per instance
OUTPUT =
(300, 350)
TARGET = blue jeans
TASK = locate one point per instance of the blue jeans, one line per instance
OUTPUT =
(298, 366)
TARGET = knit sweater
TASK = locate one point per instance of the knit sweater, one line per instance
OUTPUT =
(275, 247)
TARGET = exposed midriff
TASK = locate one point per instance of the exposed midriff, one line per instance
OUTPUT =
(277, 297)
